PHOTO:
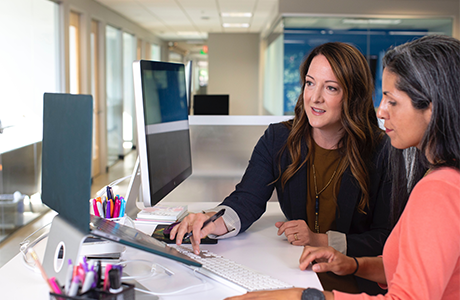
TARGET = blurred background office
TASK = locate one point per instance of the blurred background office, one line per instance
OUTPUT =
(247, 50)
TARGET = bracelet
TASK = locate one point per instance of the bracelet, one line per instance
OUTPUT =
(357, 266)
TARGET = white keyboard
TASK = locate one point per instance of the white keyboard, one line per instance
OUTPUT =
(231, 273)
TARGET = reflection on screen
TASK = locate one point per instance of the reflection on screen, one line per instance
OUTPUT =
(165, 98)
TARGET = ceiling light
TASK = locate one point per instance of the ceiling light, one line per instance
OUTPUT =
(194, 33)
(237, 14)
(235, 25)
(384, 21)
(372, 21)
(407, 33)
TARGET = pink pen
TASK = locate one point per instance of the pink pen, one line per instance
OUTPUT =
(116, 211)
(95, 209)
(108, 267)
(55, 285)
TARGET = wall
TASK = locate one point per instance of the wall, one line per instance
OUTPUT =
(234, 69)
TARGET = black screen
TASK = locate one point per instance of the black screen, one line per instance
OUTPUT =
(211, 104)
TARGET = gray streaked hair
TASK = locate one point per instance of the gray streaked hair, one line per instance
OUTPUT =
(428, 71)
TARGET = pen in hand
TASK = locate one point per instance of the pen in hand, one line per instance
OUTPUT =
(213, 218)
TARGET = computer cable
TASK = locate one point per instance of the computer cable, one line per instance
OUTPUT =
(26, 244)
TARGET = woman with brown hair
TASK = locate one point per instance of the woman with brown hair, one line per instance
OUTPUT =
(327, 165)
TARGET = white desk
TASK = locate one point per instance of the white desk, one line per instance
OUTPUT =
(259, 248)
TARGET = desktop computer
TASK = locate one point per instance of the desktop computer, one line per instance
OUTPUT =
(164, 162)
(66, 187)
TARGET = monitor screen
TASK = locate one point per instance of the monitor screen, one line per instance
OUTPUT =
(163, 130)
(210, 104)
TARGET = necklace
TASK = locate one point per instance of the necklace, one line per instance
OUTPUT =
(319, 193)
(427, 172)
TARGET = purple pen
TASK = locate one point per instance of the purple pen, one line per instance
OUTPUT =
(68, 278)
(107, 212)
(85, 264)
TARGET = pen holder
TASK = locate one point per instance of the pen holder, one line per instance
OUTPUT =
(127, 293)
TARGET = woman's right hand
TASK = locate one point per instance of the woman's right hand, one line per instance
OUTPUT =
(327, 259)
(194, 223)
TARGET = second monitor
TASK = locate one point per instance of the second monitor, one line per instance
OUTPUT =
(211, 104)
(163, 129)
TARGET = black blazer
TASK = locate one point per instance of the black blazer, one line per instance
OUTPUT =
(365, 233)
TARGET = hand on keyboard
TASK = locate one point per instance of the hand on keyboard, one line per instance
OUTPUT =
(231, 273)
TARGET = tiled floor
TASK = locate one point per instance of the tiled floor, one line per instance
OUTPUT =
(10, 246)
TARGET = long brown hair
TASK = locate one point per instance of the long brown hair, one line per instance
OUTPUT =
(361, 132)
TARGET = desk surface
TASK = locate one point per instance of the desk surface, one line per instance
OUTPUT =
(259, 248)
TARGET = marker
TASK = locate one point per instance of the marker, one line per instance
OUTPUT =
(85, 264)
(68, 277)
(99, 274)
(109, 193)
(108, 267)
(112, 207)
(107, 211)
(95, 209)
(40, 267)
(122, 207)
(213, 218)
(74, 286)
(55, 285)
(100, 209)
(89, 280)
(116, 211)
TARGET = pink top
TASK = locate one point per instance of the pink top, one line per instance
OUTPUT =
(422, 254)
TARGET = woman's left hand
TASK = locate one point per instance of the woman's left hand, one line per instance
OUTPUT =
(298, 233)
(294, 294)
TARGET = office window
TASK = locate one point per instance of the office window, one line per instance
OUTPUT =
(74, 53)
(129, 56)
(29, 61)
(114, 94)
(155, 52)
(95, 60)
(29, 66)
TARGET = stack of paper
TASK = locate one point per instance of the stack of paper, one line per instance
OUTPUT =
(162, 213)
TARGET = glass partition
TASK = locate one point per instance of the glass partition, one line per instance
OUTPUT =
(129, 56)
(299, 34)
(114, 97)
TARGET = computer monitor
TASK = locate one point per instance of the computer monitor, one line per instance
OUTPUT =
(211, 104)
(162, 126)
(66, 186)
